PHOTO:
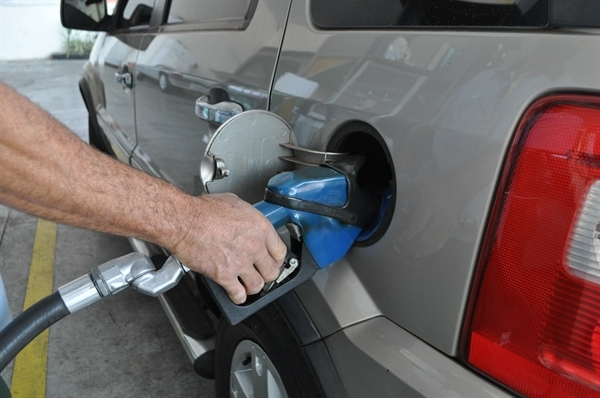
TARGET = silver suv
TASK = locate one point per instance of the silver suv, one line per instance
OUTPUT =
(480, 124)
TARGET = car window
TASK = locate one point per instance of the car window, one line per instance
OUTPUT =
(138, 12)
(94, 9)
(207, 10)
(575, 13)
(344, 14)
(396, 13)
(110, 6)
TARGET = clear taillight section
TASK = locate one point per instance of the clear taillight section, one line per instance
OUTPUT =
(535, 325)
(583, 256)
(571, 332)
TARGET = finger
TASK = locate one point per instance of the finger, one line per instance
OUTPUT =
(276, 248)
(268, 267)
(252, 281)
(236, 291)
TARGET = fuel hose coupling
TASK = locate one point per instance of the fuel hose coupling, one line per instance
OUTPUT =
(106, 280)
(110, 278)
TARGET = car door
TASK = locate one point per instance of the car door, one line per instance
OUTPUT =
(115, 68)
(223, 51)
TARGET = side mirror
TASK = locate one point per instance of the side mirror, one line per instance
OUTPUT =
(84, 14)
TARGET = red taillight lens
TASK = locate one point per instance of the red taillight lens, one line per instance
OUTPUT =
(536, 319)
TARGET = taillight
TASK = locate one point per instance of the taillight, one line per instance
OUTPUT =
(536, 318)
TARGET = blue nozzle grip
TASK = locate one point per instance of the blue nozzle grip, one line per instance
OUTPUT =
(276, 214)
(326, 239)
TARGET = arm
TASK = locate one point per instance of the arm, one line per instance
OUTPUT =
(47, 171)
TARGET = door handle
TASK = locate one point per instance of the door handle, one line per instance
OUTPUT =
(216, 113)
(125, 79)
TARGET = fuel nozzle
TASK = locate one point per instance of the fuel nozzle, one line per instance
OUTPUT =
(326, 202)
(327, 208)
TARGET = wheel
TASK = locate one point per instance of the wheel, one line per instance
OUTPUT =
(163, 82)
(260, 358)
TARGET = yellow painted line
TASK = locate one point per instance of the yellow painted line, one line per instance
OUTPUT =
(29, 372)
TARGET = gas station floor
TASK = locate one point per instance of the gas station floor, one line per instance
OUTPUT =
(122, 346)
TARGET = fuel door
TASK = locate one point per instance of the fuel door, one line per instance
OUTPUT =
(245, 152)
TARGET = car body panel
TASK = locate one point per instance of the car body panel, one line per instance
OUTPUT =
(392, 362)
(446, 157)
(240, 63)
(336, 298)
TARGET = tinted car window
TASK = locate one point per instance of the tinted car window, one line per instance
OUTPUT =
(429, 13)
(574, 13)
(340, 14)
(138, 12)
(207, 10)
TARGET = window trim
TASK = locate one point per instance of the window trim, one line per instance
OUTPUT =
(222, 24)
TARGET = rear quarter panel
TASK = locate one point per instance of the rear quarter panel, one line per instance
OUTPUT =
(446, 103)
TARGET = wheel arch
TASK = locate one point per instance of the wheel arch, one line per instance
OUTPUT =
(96, 137)
(312, 345)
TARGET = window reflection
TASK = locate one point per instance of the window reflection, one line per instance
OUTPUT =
(207, 10)
(393, 13)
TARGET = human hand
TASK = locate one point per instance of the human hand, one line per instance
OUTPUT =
(231, 242)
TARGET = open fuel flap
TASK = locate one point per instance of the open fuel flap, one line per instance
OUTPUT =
(316, 195)
(250, 148)
(244, 153)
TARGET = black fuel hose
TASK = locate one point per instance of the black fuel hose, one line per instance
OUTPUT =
(33, 321)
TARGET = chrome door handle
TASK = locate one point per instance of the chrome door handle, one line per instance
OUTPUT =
(216, 113)
(124, 78)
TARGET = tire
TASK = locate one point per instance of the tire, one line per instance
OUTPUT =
(260, 358)
(94, 137)
(163, 83)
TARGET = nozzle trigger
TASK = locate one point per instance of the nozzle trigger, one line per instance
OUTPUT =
(293, 273)
(289, 266)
